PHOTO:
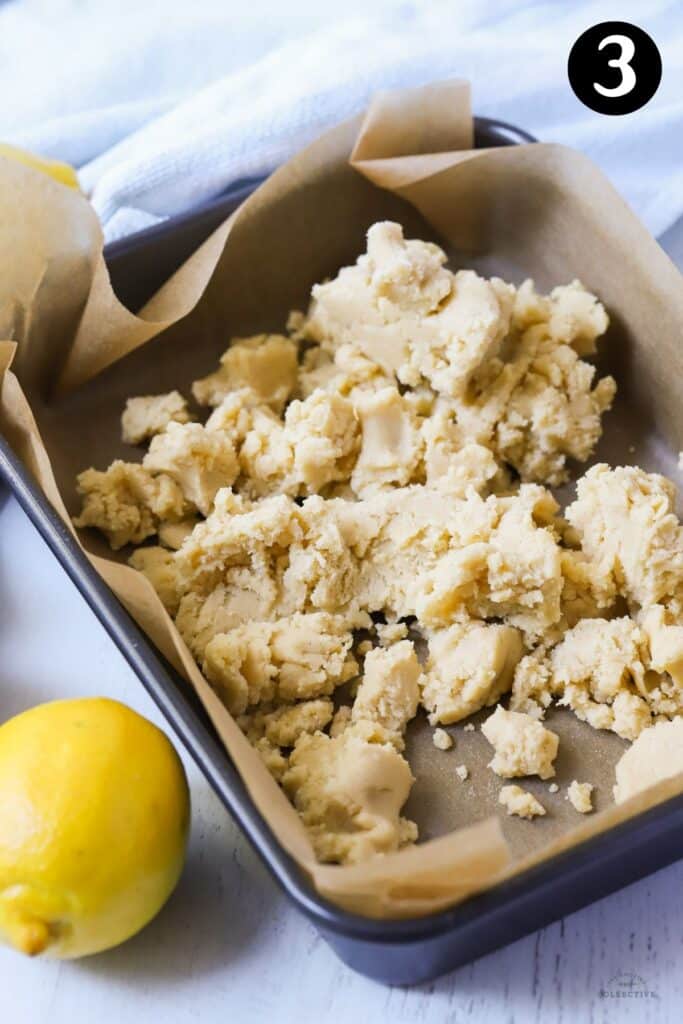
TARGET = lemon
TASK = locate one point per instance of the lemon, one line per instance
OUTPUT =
(94, 815)
(63, 173)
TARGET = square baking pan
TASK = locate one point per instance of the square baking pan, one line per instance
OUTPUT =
(397, 952)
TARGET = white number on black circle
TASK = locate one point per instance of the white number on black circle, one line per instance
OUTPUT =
(623, 62)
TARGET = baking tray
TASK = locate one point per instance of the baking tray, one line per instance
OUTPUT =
(396, 952)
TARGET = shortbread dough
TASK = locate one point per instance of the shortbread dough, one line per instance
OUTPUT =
(520, 802)
(522, 745)
(656, 755)
(349, 792)
(361, 531)
(580, 796)
(148, 415)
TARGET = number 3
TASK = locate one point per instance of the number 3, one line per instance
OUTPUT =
(623, 62)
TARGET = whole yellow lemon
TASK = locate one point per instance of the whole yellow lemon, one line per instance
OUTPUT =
(63, 173)
(94, 816)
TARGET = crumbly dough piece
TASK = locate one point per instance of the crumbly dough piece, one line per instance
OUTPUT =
(245, 593)
(463, 772)
(664, 634)
(266, 458)
(580, 796)
(537, 406)
(389, 691)
(272, 757)
(315, 446)
(391, 446)
(341, 720)
(313, 654)
(603, 655)
(605, 672)
(346, 371)
(447, 455)
(522, 745)
(588, 591)
(240, 667)
(158, 565)
(470, 666)
(412, 551)
(628, 527)
(148, 415)
(599, 669)
(300, 657)
(656, 754)
(577, 318)
(389, 633)
(442, 740)
(324, 434)
(127, 503)
(199, 460)
(445, 559)
(410, 315)
(349, 793)
(234, 415)
(266, 363)
(555, 413)
(238, 534)
(533, 688)
(520, 802)
(283, 726)
(507, 565)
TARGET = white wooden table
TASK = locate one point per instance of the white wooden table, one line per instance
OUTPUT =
(228, 947)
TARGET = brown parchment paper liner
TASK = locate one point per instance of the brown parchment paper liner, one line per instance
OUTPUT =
(542, 211)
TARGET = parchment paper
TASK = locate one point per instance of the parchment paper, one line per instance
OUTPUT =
(538, 210)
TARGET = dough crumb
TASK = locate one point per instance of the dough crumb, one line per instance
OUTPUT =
(299, 657)
(580, 796)
(148, 415)
(389, 691)
(553, 788)
(463, 772)
(522, 745)
(628, 527)
(470, 666)
(520, 802)
(127, 503)
(391, 632)
(201, 461)
(442, 740)
(266, 363)
(599, 669)
(470, 727)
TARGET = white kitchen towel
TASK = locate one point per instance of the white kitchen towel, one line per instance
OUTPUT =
(163, 105)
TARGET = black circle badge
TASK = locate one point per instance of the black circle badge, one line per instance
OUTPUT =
(614, 67)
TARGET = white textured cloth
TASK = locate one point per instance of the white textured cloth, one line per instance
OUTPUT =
(162, 105)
